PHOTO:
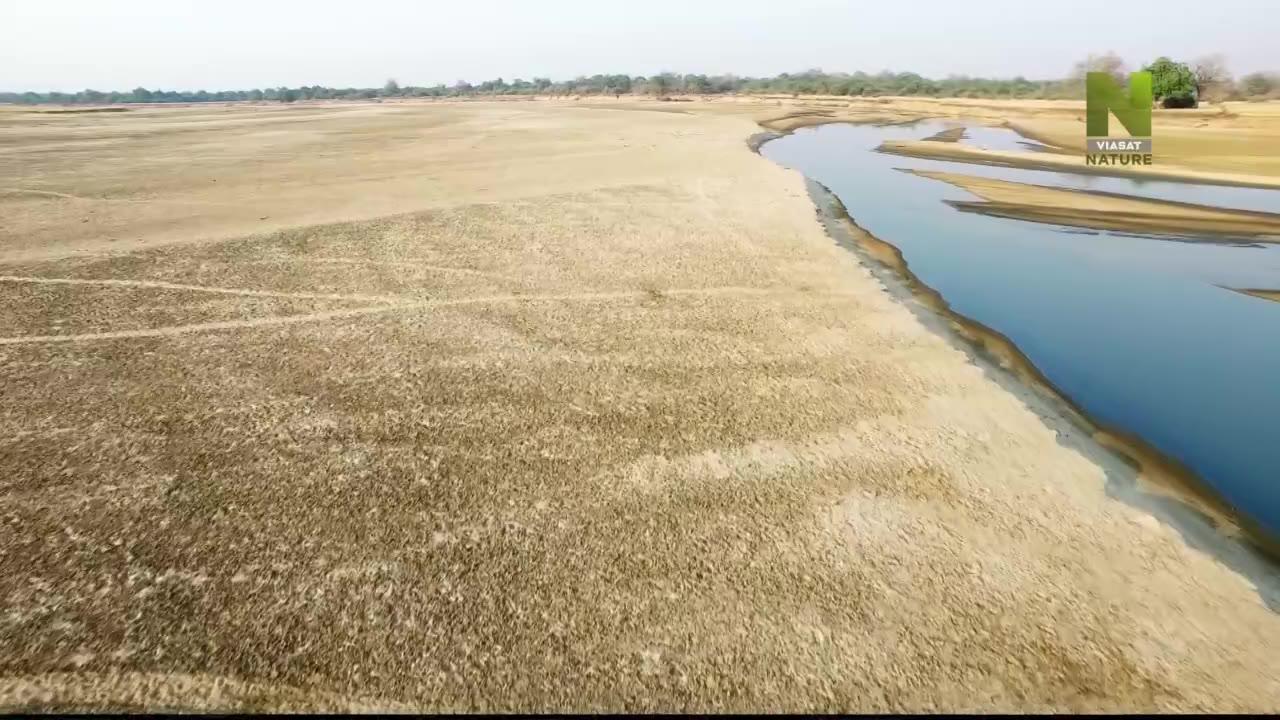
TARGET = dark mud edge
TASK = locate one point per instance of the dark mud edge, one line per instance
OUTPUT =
(1176, 494)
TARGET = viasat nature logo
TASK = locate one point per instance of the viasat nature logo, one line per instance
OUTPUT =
(1104, 98)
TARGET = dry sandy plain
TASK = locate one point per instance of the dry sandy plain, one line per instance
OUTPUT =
(494, 406)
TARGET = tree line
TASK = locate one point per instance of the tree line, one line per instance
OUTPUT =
(1176, 85)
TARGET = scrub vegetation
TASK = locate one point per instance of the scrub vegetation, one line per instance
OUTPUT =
(1178, 85)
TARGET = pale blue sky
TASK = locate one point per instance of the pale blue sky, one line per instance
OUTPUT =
(228, 44)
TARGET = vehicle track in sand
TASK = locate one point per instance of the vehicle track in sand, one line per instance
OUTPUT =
(357, 312)
(161, 285)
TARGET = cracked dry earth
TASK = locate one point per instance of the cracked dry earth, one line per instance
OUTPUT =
(641, 437)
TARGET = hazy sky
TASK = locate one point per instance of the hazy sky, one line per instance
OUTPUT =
(230, 44)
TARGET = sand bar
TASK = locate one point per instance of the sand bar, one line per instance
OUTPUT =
(1107, 211)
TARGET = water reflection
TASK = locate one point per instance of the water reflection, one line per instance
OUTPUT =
(1136, 330)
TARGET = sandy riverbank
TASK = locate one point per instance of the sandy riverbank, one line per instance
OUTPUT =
(1264, 294)
(1107, 211)
(1235, 143)
(1060, 162)
(534, 406)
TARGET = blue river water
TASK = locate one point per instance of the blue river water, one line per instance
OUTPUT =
(1141, 332)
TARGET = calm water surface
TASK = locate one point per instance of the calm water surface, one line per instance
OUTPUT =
(1134, 329)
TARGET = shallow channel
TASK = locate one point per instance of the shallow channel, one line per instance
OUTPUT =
(1138, 331)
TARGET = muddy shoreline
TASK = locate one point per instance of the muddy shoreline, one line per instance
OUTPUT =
(990, 349)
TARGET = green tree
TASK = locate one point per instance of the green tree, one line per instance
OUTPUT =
(618, 84)
(697, 84)
(1172, 83)
(662, 84)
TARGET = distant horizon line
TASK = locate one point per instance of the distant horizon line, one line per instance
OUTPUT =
(808, 73)
(806, 81)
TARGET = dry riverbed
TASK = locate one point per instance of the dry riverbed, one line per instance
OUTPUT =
(534, 406)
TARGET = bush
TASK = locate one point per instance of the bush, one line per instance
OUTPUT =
(1258, 84)
(1173, 83)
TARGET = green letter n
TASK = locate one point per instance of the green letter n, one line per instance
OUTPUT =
(1103, 96)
